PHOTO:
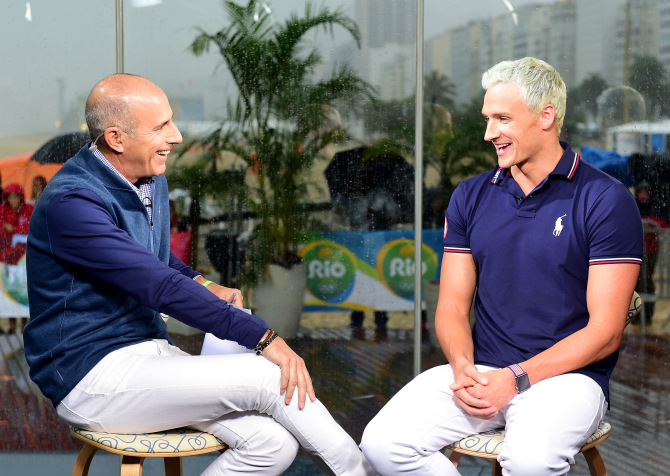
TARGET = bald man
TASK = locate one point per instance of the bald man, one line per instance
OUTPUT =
(100, 272)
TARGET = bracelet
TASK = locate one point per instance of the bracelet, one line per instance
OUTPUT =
(207, 283)
(262, 345)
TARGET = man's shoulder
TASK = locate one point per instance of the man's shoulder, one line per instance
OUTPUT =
(592, 173)
(600, 188)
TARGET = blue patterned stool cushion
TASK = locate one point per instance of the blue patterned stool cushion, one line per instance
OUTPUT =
(177, 442)
(489, 443)
(634, 308)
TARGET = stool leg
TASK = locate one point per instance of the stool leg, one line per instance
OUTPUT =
(455, 457)
(173, 467)
(131, 465)
(595, 462)
(497, 470)
(84, 460)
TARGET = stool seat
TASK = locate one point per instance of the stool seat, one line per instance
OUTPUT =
(171, 445)
(488, 444)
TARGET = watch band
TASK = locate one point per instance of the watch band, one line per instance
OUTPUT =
(521, 380)
(516, 369)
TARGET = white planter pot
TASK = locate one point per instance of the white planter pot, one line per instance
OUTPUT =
(280, 297)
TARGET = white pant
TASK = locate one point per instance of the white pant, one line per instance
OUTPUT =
(154, 386)
(546, 426)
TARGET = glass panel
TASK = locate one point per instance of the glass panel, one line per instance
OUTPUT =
(337, 173)
(337, 170)
(52, 53)
(613, 57)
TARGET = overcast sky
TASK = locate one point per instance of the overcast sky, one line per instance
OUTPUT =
(54, 51)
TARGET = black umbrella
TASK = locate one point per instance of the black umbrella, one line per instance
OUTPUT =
(342, 172)
(387, 177)
(60, 148)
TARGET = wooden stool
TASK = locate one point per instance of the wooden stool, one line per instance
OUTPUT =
(489, 443)
(170, 445)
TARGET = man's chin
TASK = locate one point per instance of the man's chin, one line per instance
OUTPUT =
(158, 171)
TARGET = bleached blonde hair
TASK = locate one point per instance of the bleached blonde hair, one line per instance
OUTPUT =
(540, 84)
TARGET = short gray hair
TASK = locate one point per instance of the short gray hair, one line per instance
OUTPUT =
(540, 84)
(112, 109)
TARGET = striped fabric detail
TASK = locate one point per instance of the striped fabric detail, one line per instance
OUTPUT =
(452, 249)
(573, 169)
(615, 261)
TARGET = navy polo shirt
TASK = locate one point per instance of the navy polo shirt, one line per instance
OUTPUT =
(533, 255)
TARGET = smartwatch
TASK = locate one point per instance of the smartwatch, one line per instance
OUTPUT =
(521, 379)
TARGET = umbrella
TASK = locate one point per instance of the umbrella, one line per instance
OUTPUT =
(60, 148)
(342, 171)
(382, 185)
(49, 158)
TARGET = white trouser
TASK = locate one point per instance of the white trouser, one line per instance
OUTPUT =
(154, 386)
(546, 426)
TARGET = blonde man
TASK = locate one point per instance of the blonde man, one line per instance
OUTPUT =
(549, 248)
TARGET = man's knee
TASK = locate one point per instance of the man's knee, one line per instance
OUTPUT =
(532, 463)
(384, 449)
(274, 447)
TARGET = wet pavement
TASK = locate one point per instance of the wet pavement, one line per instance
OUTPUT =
(355, 375)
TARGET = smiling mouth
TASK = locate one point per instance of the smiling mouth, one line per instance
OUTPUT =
(163, 153)
(501, 147)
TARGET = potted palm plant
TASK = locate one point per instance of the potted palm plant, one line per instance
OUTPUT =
(277, 125)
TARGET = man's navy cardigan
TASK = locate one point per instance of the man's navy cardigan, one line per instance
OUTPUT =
(100, 273)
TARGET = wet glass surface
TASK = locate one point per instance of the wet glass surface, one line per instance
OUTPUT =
(614, 56)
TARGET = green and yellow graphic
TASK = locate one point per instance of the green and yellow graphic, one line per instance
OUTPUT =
(331, 270)
(395, 266)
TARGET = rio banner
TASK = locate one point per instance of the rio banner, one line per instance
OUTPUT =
(367, 270)
(14, 289)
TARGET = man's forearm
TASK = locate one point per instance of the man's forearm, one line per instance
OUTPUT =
(455, 337)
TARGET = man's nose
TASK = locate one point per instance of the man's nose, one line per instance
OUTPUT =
(175, 137)
(491, 131)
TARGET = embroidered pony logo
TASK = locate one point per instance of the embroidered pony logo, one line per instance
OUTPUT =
(558, 227)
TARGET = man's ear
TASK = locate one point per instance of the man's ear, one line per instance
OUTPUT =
(113, 138)
(548, 117)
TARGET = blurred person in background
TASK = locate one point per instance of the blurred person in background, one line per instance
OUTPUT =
(38, 185)
(15, 217)
(651, 211)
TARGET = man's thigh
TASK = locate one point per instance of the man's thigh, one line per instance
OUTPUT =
(153, 386)
(553, 419)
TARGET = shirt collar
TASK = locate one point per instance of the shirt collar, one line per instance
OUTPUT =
(567, 165)
(108, 164)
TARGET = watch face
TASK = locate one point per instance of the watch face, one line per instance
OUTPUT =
(522, 382)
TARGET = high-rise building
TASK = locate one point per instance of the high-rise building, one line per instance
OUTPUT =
(643, 23)
(664, 32)
(543, 31)
(385, 22)
(388, 51)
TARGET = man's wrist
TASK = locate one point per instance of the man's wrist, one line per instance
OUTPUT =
(521, 380)
(267, 339)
